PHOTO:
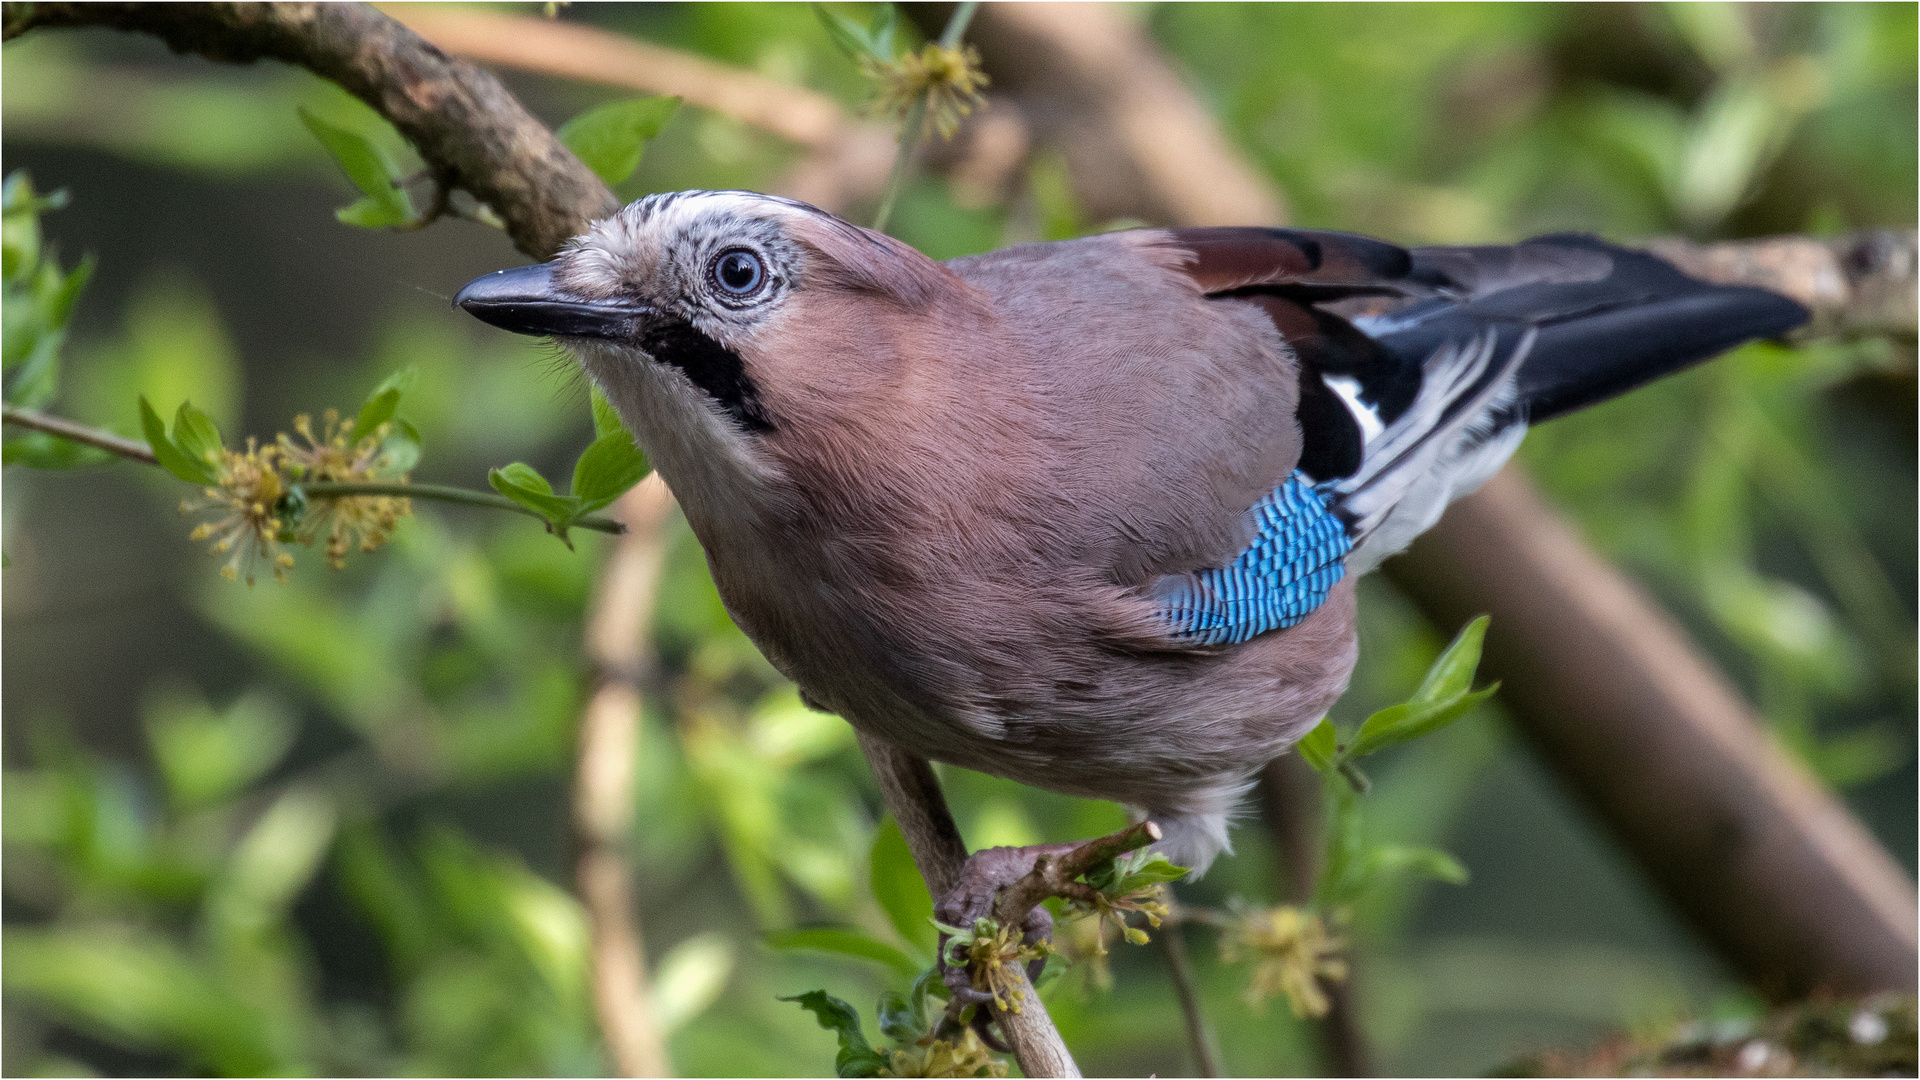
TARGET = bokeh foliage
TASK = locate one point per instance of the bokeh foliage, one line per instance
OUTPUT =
(320, 827)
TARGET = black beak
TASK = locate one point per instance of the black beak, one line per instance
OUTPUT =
(526, 301)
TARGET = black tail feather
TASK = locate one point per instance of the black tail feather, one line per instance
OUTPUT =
(1606, 324)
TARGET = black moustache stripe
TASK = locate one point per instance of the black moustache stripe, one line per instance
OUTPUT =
(713, 368)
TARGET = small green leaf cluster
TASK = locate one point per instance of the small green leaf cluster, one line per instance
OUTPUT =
(37, 302)
(1134, 881)
(609, 465)
(910, 1021)
(1444, 696)
(191, 450)
(1133, 872)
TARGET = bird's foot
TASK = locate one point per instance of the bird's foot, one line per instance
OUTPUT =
(999, 931)
(976, 964)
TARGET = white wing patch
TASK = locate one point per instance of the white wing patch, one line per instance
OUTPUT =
(1348, 390)
(1444, 446)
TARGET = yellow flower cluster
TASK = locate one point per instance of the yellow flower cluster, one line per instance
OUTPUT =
(995, 955)
(251, 487)
(968, 1057)
(949, 79)
(1150, 901)
(363, 521)
(1294, 950)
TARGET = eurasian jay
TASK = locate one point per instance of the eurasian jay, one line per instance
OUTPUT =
(1085, 514)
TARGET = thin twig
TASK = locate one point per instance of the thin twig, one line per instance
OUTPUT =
(1055, 875)
(910, 130)
(1290, 802)
(134, 450)
(1200, 1040)
(443, 493)
(72, 431)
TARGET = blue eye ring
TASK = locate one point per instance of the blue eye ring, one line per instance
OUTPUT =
(737, 273)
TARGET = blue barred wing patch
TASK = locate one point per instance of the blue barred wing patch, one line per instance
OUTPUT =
(1297, 556)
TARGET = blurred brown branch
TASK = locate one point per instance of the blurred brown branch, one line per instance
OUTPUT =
(1766, 864)
(472, 133)
(621, 666)
(1861, 283)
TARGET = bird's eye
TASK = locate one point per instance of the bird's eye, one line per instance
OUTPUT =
(738, 273)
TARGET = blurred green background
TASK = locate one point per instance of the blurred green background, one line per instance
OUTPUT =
(323, 827)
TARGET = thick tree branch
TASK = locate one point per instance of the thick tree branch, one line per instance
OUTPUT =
(1766, 865)
(472, 133)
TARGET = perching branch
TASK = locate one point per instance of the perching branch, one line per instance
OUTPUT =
(471, 132)
(621, 667)
(912, 795)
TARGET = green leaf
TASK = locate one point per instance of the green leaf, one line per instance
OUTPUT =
(378, 410)
(846, 942)
(605, 420)
(609, 138)
(1443, 697)
(856, 1057)
(1426, 862)
(897, 885)
(1140, 869)
(606, 469)
(523, 484)
(192, 470)
(60, 300)
(1397, 724)
(400, 451)
(371, 213)
(386, 203)
(1452, 674)
(195, 434)
(1319, 745)
(868, 42)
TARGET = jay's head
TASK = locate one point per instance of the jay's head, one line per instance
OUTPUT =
(740, 305)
